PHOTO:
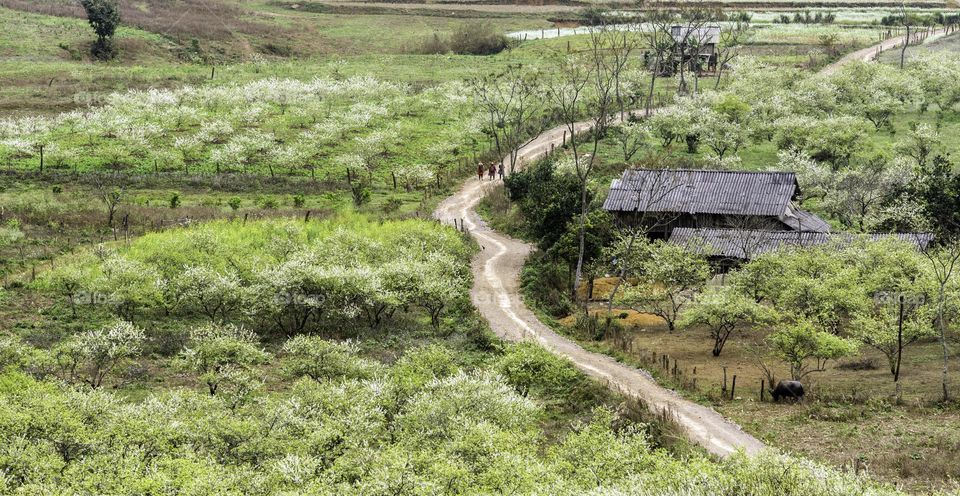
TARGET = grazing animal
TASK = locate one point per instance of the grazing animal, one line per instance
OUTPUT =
(788, 390)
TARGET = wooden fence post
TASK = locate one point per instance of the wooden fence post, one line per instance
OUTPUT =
(733, 387)
(762, 382)
(723, 389)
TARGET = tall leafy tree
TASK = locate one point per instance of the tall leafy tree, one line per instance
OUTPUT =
(104, 17)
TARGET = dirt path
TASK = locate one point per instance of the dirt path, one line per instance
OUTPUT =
(867, 54)
(496, 294)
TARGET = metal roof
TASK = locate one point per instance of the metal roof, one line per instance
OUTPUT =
(801, 220)
(748, 243)
(702, 192)
(702, 35)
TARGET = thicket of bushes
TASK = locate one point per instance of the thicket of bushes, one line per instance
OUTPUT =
(473, 38)
(426, 424)
(280, 276)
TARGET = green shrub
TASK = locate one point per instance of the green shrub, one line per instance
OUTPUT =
(392, 204)
(531, 369)
(268, 203)
(545, 283)
(478, 38)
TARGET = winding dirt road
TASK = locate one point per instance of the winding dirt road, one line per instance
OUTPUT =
(496, 294)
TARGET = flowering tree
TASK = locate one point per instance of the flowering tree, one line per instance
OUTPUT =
(320, 359)
(127, 285)
(668, 278)
(920, 143)
(214, 294)
(631, 136)
(806, 350)
(93, 355)
(222, 356)
(722, 311)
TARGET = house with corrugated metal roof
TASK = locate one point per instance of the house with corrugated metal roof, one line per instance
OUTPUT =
(662, 200)
(694, 46)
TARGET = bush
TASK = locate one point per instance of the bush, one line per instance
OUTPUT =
(547, 198)
(360, 193)
(594, 15)
(234, 203)
(392, 205)
(175, 200)
(433, 45)
(468, 39)
(320, 359)
(597, 328)
(531, 369)
(478, 39)
(544, 283)
(299, 201)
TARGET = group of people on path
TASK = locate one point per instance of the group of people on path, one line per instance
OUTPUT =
(492, 170)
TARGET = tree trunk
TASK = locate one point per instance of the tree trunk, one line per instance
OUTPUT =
(943, 342)
(653, 83)
(896, 372)
(903, 51)
(582, 235)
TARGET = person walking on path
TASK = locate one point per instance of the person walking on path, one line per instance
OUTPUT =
(480, 170)
(492, 172)
(500, 171)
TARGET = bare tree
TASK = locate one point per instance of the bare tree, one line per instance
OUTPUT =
(748, 234)
(944, 261)
(621, 43)
(514, 106)
(732, 40)
(689, 35)
(906, 20)
(112, 198)
(654, 29)
(603, 71)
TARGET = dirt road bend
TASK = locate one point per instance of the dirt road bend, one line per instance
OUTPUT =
(496, 293)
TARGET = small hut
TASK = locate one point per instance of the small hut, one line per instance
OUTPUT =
(694, 46)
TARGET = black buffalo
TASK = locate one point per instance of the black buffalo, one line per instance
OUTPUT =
(788, 389)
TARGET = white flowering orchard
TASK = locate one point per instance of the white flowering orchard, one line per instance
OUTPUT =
(270, 126)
